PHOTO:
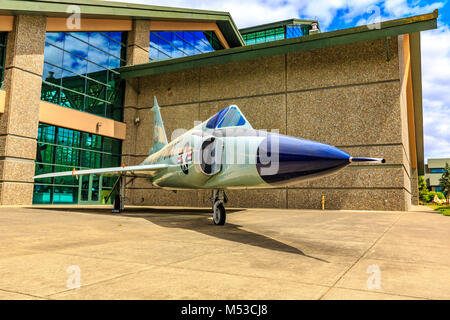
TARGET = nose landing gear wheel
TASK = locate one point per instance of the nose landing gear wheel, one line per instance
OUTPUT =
(219, 215)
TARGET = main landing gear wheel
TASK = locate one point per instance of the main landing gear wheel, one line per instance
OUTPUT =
(117, 204)
(219, 214)
(119, 199)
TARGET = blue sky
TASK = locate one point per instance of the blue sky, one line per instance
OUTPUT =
(339, 14)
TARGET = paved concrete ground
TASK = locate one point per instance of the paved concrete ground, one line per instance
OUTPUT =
(168, 253)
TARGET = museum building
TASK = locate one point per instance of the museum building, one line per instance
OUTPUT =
(77, 94)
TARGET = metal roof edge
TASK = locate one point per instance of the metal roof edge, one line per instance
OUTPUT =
(315, 41)
(276, 24)
(49, 5)
(119, 10)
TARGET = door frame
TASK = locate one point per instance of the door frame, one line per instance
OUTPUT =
(90, 201)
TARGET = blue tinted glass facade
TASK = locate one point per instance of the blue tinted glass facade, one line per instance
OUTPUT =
(437, 170)
(61, 149)
(274, 34)
(295, 31)
(264, 36)
(79, 71)
(176, 44)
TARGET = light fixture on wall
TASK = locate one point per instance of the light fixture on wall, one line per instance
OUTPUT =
(137, 120)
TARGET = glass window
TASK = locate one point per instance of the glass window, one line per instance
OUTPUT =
(249, 38)
(65, 195)
(61, 149)
(3, 37)
(294, 31)
(42, 194)
(279, 33)
(297, 30)
(79, 71)
(264, 36)
(305, 29)
(176, 44)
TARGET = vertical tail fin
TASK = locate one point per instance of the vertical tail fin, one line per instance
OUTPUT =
(159, 134)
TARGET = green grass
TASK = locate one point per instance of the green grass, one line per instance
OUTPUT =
(445, 210)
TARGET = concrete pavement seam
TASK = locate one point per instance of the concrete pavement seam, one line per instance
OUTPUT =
(359, 259)
(22, 293)
(91, 257)
(385, 293)
(101, 281)
(251, 276)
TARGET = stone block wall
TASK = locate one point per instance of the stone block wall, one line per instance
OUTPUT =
(19, 124)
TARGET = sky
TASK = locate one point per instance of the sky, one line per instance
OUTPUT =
(340, 14)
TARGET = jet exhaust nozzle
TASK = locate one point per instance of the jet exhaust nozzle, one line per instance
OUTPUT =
(359, 159)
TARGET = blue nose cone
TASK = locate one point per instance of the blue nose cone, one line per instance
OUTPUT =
(284, 160)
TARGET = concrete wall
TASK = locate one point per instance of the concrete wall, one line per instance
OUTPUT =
(347, 96)
(19, 123)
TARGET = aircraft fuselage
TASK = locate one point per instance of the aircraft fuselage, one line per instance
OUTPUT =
(242, 158)
(224, 152)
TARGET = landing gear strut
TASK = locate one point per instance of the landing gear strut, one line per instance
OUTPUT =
(119, 199)
(219, 213)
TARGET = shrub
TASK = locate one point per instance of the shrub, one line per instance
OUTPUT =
(430, 196)
(444, 181)
(423, 190)
(440, 195)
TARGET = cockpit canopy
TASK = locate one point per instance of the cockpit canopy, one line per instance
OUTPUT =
(229, 117)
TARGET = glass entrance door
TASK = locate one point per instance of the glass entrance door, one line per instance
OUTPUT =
(90, 189)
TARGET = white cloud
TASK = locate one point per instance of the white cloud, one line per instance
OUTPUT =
(401, 8)
(253, 12)
(435, 147)
(395, 9)
(245, 13)
(436, 88)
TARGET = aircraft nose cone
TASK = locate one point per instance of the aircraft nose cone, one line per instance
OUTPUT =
(283, 160)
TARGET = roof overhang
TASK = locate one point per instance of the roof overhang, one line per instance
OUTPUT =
(438, 163)
(315, 41)
(118, 10)
(416, 78)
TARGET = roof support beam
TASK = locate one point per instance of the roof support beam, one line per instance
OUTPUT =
(416, 77)
(6, 23)
(77, 120)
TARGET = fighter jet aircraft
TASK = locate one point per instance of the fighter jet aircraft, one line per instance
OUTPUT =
(222, 153)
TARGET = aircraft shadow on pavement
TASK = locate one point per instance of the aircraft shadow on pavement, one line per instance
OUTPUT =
(198, 220)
